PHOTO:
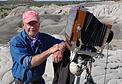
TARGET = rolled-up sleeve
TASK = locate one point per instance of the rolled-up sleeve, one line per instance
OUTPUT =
(20, 54)
(27, 61)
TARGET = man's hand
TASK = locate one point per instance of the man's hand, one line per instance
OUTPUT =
(57, 52)
(62, 46)
(53, 49)
(57, 56)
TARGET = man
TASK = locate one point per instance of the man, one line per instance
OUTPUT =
(30, 49)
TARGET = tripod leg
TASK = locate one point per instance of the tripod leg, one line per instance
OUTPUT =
(89, 79)
(77, 80)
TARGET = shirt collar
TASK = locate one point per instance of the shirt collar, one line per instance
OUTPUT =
(32, 41)
(25, 35)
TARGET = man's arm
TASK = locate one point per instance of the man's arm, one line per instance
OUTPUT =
(38, 59)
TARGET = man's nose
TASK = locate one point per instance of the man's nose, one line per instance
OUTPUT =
(31, 27)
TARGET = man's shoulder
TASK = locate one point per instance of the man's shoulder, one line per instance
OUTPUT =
(16, 38)
(41, 34)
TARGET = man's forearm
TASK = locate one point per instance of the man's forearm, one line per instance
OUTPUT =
(38, 59)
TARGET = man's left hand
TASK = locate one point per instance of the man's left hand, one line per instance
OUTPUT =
(57, 56)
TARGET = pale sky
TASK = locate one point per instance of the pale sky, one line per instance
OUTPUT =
(58, 0)
(51, 0)
(3, 0)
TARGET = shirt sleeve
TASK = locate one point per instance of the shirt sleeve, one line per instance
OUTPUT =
(20, 54)
(54, 40)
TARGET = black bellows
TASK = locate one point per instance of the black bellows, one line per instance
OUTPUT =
(93, 31)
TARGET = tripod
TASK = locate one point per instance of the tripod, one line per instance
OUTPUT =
(83, 58)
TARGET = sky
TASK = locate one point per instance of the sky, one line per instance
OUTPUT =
(57, 0)
(66, 0)
(51, 0)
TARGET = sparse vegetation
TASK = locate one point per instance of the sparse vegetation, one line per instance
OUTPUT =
(7, 6)
(5, 10)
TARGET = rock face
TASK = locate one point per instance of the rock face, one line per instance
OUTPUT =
(49, 23)
(6, 25)
(5, 66)
(18, 11)
(10, 24)
(53, 18)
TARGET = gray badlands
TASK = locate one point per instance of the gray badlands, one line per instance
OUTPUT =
(53, 21)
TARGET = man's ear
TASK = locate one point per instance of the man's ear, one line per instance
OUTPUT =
(39, 25)
(20, 24)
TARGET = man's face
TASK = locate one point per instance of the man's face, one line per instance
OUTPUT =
(31, 28)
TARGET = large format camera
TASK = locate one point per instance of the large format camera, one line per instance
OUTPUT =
(88, 37)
